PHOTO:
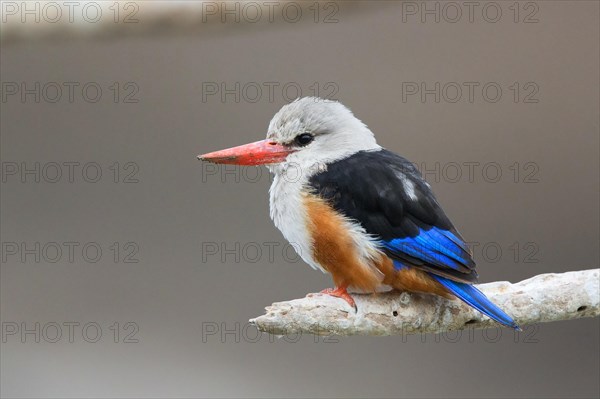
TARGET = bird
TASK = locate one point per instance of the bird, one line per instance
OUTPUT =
(356, 210)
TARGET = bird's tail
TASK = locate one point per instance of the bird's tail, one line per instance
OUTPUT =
(475, 298)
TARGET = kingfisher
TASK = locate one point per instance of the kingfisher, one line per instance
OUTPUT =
(356, 210)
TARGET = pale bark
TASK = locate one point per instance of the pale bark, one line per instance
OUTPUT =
(540, 299)
(51, 20)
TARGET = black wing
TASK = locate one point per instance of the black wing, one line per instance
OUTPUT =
(386, 194)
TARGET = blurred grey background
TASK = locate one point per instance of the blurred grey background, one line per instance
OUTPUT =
(174, 324)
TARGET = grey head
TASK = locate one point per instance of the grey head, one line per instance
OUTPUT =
(319, 131)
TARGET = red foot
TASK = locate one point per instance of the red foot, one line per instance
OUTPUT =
(341, 292)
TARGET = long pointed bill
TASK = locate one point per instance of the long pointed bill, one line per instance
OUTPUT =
(257, 153)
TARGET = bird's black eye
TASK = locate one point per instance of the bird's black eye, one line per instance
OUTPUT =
(304, 139)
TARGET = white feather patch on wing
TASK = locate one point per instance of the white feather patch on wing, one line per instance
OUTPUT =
(407, 185)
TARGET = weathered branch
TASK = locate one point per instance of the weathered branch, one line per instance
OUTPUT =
(51, 20)
(543, 298)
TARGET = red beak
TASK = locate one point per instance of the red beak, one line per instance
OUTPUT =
(257, 153)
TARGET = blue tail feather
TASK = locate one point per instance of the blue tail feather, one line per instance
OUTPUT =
(475, 298)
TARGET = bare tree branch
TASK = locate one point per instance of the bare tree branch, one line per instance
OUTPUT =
(540, 299)
(47, 20)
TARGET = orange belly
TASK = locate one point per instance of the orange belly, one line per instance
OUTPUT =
(335, 250)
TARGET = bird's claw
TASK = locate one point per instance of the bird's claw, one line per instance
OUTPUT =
(342, 293)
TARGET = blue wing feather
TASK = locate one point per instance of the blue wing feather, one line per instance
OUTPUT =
(435, 247)
(473, 297)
